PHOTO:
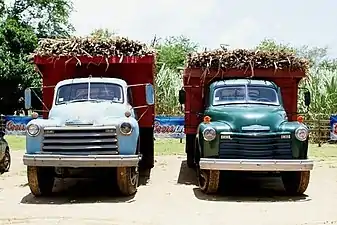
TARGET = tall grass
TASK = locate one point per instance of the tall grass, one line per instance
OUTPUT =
(322, 84)
(168, 83)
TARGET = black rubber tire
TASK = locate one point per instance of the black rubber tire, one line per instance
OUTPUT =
(127, 180)
(40, 180)
(3, 167)
(296, 183)
(208, 180)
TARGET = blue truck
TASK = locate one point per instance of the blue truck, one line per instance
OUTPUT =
(92, 121)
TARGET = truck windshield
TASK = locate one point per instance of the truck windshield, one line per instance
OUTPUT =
(98, 91)
(245, 94)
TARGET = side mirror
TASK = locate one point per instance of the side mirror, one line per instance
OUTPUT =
(182, 96)
(307, 98)
(28, 98)
(149, 93)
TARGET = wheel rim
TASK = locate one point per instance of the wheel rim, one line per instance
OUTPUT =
(7, 160)
(134, 176)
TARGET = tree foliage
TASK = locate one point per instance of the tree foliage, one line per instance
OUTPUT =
(21, 24)
(321, 82)
(49, 18)
(172, 52)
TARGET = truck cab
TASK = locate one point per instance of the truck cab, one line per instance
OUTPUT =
(91, 124)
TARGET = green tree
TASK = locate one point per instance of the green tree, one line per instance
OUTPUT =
(171, 56)
(49, 18)
(172, 52)
(317, 56)
(22, 23)
(321, 82)
(271, 45)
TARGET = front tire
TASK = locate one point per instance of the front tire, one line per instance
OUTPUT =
(5, 163)
(127, 180)
(208, 180)
(296, 183)
(40, 180)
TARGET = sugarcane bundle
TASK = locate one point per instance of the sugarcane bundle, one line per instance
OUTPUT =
(90, 46)
(243, 59)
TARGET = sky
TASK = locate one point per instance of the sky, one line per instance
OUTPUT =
(239, 23)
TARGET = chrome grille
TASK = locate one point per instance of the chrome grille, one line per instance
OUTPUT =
(261, 146)
(75, 139)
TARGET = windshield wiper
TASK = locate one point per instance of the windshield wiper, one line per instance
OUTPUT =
(232, 103)
(76, 100)
(103, 100)
(90, 100)
(263, 103)
(247, 103)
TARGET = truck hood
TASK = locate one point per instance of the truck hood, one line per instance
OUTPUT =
(249, 117)
(96, 113)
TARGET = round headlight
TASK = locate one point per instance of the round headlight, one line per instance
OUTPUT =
(301, 133)
(33, 130)
(209, 134)
(125, 128)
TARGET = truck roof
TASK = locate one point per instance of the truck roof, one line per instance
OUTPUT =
(93, 80)
(242, 82)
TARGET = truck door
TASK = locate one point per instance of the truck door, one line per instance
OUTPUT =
(130, 101)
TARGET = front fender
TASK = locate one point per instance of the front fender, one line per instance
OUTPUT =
(299, 148)
(210, 148)
(33, 144)
(127, 144)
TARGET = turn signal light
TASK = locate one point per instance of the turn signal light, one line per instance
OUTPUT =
(300, 119)
(207, 119)
(127, 113)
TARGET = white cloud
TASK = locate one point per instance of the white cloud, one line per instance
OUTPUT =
(141, 19)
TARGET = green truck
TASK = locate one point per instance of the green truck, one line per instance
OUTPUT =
(240, 117)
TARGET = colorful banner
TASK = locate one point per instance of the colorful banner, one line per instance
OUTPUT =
(169, 127)
(333, 127)
(16, 125)
(164, 127)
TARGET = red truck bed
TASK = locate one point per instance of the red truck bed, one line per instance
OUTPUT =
(196, 82)
(134, 70)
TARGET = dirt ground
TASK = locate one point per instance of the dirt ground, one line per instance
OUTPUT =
(171, 197)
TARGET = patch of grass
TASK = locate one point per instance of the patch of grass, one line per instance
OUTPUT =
(325, 152)
(16, 142)
(169, 147)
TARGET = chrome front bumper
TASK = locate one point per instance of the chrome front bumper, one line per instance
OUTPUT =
(256, 165)
(81, 160)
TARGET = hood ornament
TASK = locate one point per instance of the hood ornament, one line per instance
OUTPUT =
(256, 128)
(74, 122)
